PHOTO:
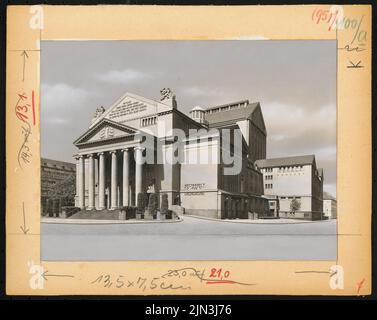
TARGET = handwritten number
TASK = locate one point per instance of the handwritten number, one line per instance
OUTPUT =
(120, 283)
(153, 284)
(21, 116)
(22, 96)
(217, 273)
(141, 281)
(99, 279)
(23, 108)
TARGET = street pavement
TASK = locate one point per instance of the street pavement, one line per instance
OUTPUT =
(190, 239)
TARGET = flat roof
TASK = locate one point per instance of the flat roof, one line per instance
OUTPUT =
(231, 115)
(286, 161)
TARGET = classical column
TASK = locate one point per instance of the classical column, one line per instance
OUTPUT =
(114, 182)
(131, 197)
(77, 174)
(101, 181)
(138, 171)
(81, 184)
(126, 177)
(91, 183)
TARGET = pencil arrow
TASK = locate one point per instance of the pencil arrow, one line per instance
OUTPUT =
(25, 231)
(25, 56)
(23, 228)
(45, 275)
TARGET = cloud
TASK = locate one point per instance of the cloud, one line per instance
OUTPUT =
(295, 127)
(126, 76)
(58, 98)
(60, 103)
(294, 130)
(200, 92)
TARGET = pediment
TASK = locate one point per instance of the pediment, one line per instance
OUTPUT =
(131, 106)
(105, 130)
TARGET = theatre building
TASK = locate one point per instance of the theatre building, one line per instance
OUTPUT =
(110, 173)
(293, 186)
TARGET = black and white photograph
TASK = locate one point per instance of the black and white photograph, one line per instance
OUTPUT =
(188, 150)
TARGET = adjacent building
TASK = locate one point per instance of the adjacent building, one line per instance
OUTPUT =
(53, 172)
(110, 173)
(329, 206)
(293, 187)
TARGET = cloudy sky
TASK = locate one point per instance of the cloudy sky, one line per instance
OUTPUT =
(295, 82)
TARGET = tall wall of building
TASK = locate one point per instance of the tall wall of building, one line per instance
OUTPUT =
(330, 208)
(201, 187)
(317, 191)
(296, 185)
(53, 172)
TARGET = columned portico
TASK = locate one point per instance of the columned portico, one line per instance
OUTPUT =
(101, 182)
(114, 180)
(109, 166)
(126, 177)
(81, 182)
(118, 180)
(138, 171)
(91, 183)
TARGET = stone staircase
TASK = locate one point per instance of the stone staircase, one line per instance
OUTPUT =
(96, 214)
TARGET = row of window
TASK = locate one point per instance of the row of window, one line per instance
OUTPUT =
(284, 169)
(57, 170)
(55, 166)
(292, 214)
(148, 121)
(228, 107)
(269, 177)
(298, 198)
(268, 186)
(289, 169)
(198, 114)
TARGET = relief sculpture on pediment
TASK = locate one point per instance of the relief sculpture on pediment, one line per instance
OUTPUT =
(98, 113)
(106, 133)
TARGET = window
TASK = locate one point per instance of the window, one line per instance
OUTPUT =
(148, 121)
